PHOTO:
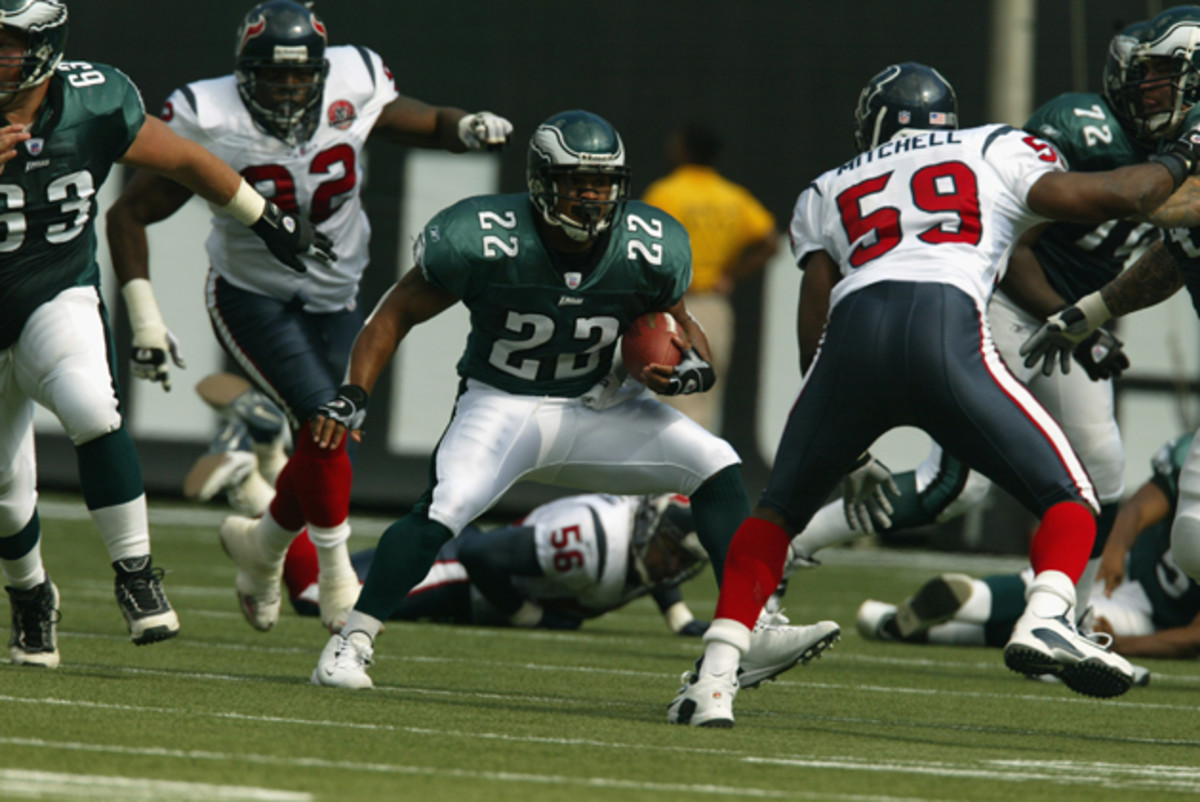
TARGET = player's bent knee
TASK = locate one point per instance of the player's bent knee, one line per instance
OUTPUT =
(86, 411)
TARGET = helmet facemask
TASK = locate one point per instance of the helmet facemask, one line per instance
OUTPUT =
(665, 550)
(562, 202)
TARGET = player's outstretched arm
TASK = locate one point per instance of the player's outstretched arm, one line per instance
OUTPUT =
(410, 122)
(1177, 642)
(1144, 509)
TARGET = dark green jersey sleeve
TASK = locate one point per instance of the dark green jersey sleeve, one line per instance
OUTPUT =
(91, 115)
(1080, 258)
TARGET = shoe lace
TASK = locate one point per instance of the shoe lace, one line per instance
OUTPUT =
(1101, 639)
(143, 588)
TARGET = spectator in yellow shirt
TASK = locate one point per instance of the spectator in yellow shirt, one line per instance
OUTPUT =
(733, 236)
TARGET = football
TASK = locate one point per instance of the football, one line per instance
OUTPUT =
(652, 339)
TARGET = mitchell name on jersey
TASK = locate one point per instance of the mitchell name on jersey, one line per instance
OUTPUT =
(940, 206)
(539, 327)
(320, 178)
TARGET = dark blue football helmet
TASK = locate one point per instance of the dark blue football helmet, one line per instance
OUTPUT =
(281, 68)
(1141, 59)
(44, 24)
(903, 97)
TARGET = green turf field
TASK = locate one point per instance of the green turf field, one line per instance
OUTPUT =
(462, 713)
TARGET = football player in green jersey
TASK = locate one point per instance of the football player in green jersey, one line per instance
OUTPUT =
(68, 123)
(1142, 599)
(551, 278)
(1151, 86)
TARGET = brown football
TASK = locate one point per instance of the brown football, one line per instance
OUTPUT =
(652, 339)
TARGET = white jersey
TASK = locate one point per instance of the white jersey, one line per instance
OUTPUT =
(940, 206)
(582, 547)
(322, 178)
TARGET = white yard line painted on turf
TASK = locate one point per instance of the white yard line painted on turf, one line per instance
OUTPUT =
(18, 784)
(1060, 772)
(192, 755)
(559, 702)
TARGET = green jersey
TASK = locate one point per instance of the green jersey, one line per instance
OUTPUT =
(541, 322)
(1174, 598)
(1079, 258)
(91, 115)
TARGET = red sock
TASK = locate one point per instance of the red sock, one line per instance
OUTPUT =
(753, 568)
(1063, 540)
(321, 479)
(285, 507)
(300, 566)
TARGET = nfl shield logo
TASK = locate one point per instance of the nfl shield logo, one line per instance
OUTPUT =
(904, 117)
(573, 279)
(35, 145)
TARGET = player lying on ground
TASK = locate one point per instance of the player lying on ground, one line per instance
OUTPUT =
(1141, 599)
(567, 561)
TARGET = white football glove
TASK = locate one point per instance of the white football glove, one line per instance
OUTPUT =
(484, 130)
(864, 495)
(153, 343)
(1056, 339)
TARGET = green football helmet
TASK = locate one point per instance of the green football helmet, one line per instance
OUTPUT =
(44, 24)
(574, 147)
(1171, 38)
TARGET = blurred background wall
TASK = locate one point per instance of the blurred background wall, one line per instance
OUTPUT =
(777, 78)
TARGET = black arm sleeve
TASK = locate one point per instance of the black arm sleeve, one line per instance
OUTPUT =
(493, 558)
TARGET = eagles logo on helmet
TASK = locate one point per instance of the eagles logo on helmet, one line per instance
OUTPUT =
(281, 69)
(566, 154)
(44, 25)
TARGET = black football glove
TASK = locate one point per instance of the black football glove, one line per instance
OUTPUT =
(694, 628)
(1181, 157)
(1102, 355)
(289, 236)
(692, 375)
(348, 409)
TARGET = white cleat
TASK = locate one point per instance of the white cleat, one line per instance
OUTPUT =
(775, 647)
(704, 701)
(344, 662)
(1053, 646)
(258, 577)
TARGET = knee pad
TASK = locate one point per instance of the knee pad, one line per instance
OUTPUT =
(86, 407)
(18, 490)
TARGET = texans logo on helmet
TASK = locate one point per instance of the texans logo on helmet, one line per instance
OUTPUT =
(252, 30)
(342, 114)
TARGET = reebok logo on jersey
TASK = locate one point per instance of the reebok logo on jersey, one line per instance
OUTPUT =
(569, 300)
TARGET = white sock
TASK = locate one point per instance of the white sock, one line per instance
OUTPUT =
(1051, 594)
(977, 609)
(124, 528)
(957, 633)
(26, 571)
(361, 622)
(272, 539)
(1083, 588)
(827, 528)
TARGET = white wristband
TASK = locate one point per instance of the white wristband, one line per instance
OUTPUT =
(246, 205)
(142, 306)
(678, 616)
(1094, 309)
